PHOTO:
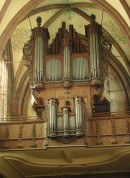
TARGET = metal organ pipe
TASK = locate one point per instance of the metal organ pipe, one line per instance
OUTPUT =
(53, 115)
(79, 115)
(35, 60)
(94, 36)
(40, 38)
(66, 55)
(66, 63)
(94, 56)
(97, 52)
(38, 59)
(41, 59)
(66, 120)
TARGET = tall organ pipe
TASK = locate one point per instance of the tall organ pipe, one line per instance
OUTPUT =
(38, 60)
(53, 115)
(94, 35)
(79, 115)
(40, 37)
(66, 53)
(66, 63)
(66, 120)
(41, 59)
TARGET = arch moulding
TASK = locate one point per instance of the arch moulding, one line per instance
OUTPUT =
(15, 21)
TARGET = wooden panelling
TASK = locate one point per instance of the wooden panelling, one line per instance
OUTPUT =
(103, 131)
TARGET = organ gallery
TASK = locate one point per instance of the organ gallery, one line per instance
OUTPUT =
(67, 76)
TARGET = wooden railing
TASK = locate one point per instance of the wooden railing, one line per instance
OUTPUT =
(108, 128)
(22, 134)
(103, 129)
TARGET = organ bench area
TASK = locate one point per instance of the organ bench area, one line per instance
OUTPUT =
(67, 77)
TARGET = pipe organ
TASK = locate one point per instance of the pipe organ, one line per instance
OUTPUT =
(72, 64)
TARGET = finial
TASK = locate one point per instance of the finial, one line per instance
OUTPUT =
(93, 17)
(39, 20)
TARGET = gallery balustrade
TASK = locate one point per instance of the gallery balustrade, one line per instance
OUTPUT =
(103, 129)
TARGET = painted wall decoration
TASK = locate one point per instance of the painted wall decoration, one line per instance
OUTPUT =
(19, 38)
(69, 13)
(115, 32)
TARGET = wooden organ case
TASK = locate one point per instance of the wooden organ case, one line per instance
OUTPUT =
(66, 76)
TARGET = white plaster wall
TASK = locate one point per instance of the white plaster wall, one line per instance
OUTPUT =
(118, 99)
(30, 111)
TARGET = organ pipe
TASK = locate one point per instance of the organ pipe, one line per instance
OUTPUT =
(66, 120)
(40, 37)
(94, 35)
(53, 102)
(80, 68)
(66, 53)
(79, 115)
(38, 60)
(66, 63)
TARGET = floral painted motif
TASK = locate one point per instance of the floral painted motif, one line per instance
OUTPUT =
(115, 32)
(19, 38)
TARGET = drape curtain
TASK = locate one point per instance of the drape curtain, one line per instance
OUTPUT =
(53, 70)
(80, 68)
